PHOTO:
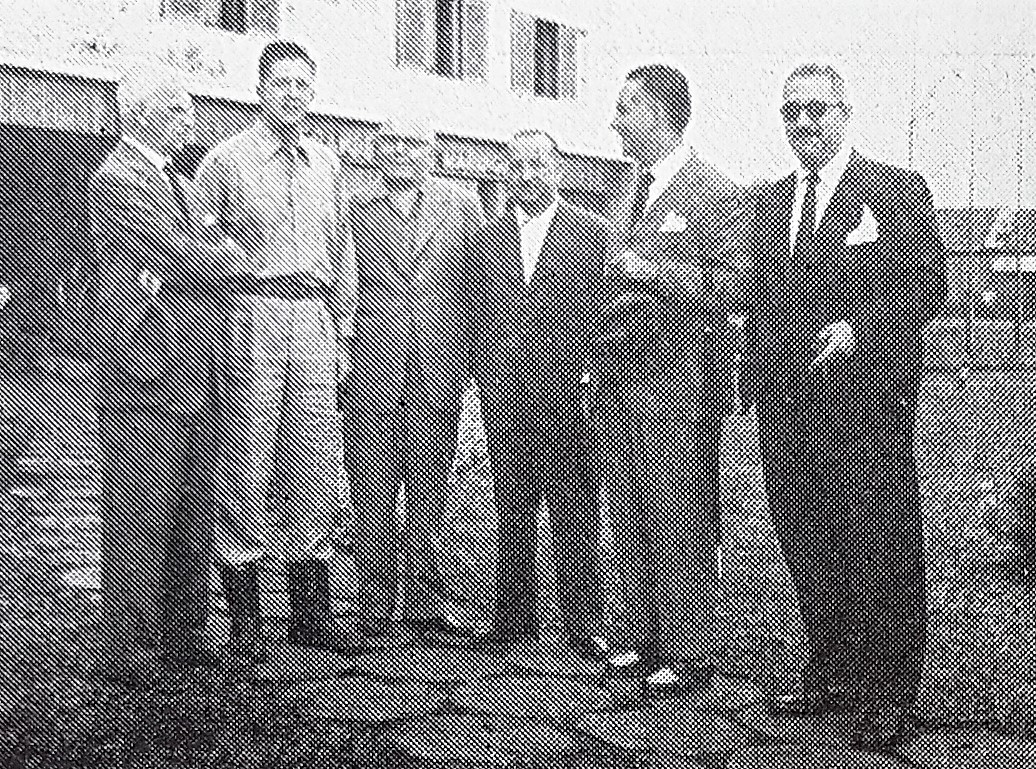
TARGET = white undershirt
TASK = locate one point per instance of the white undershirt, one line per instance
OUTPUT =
(533, 232)
(829, 175)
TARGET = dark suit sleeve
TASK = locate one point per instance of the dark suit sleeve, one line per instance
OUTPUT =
(753, 299)
(907, 286)
(122, 212)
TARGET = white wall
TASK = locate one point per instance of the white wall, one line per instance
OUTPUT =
(963, 70)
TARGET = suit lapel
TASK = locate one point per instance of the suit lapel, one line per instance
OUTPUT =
(782, 203)
(557, 235)
(430, 213)
(667, 201)
(153, 181)
(843, 212)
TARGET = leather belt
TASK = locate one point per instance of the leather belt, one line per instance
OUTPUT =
(293, 288)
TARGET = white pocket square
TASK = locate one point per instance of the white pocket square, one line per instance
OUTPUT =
(866, 231)
(673, 223)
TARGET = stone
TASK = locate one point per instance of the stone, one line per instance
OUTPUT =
(442, 665)
(459, 740)
(556, 700)
(807, 757)
(973, 748)
(831, 730)
(362, 700)
(296, 663)
(552, 658)
(667, 728)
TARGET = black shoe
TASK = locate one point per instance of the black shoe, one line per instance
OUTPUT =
(498, 639)
(878, 729)
(589, 648)
(373, 627)
(807, 703)
(440, 623)
(313, 623)
(631, 664)
(192, 652)
(133, 667)
(679, 678)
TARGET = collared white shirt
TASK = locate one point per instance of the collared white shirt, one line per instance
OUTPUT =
(405, 202)
(158, 161)
(666, 168)
(533, 232)
(829, 178)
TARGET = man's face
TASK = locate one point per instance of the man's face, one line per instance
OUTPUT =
(287, 92)
(404, 160)
(636, 119)
(170, 121)
(533, 172)
(814, 120)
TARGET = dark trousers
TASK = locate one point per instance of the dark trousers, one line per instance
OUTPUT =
(157, 526)
(412, 443)
(538, 457)
(844, 500)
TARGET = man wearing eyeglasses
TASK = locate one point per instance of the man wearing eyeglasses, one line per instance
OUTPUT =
(410, 368)
(848, 269)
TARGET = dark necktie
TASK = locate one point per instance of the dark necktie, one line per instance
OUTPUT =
(644, 182)
(803, 250)
(177, 188)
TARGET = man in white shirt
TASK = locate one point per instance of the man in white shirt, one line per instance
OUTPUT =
(535, 274)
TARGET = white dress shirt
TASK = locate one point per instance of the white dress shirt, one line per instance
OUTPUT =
(829, 178)
(666, 168)
(158, 161)
(533, 231)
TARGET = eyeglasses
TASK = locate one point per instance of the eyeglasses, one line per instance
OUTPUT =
(815, 109)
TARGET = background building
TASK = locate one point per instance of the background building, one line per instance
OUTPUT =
(948, 88)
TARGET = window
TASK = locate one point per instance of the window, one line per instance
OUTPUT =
(238, 16)
(545, 57)
(446, 37)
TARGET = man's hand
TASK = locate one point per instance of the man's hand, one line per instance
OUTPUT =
(633, 267)
(149, 282)
(834, 341)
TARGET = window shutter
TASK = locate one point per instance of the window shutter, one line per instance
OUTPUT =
(570, 69)
(523, 44)
(264, 15)
(473, 39)
(415, 33)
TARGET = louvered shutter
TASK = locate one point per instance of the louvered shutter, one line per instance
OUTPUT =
(415, 38)
(264, 15)
(523, 57)
(473, 39)
(570, 44)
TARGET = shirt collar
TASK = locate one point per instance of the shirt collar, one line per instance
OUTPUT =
(833, 171)
(152, 157)
(267, 142)
(669, 166)
(544, 217)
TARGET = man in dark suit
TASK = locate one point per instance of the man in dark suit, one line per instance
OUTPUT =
(402, 398)
(848, 270)
(535, 273)
(662, 373)
(154, 301)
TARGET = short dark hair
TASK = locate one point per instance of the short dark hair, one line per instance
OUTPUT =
(812, 69)
(527, 133)
(281, 50)
(669, 86)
